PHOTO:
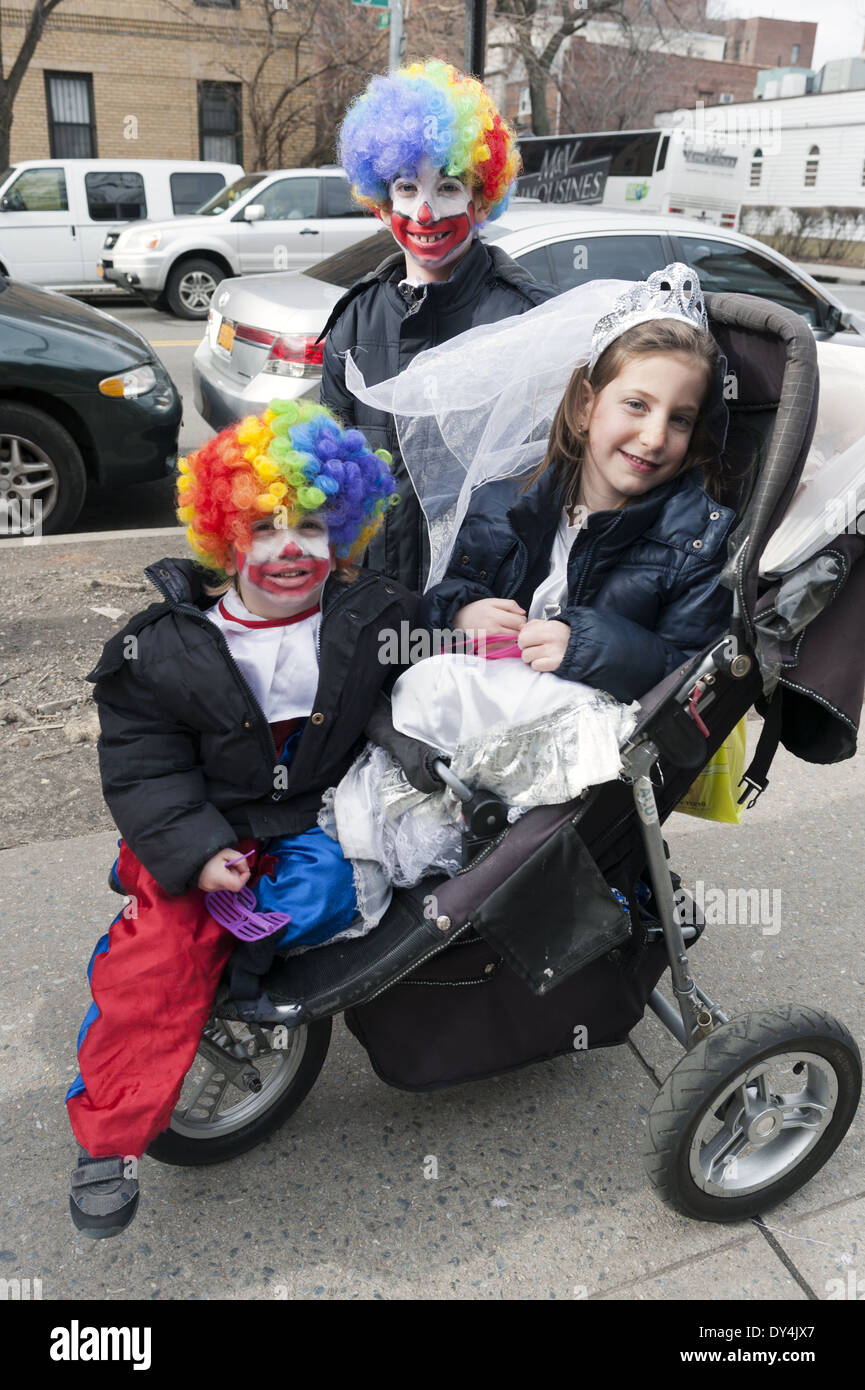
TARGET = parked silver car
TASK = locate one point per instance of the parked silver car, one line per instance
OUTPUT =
(286, 220)
(260, 340)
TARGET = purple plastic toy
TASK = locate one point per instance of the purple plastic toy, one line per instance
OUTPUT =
(237, 912)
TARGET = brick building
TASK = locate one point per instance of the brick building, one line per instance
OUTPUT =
(770, 43)
(607, 88)
(155, 78)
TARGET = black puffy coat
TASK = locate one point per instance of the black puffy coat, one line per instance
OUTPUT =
(186, 754)
(384, 328)
(643, 582)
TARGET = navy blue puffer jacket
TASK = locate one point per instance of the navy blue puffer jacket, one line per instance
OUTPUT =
(643, 582)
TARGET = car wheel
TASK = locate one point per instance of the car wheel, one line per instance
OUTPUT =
(42, 479)
(190, 287)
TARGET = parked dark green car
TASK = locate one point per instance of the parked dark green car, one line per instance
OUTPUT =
(83, 399)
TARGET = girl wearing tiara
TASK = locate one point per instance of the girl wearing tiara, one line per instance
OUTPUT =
(227, 709)
(592, 570)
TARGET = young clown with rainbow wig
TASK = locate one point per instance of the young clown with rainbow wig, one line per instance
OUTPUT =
(426, 150)
(226, 711)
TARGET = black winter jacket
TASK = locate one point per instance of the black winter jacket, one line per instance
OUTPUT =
(643, 582)
(384, 329)
(186, 754)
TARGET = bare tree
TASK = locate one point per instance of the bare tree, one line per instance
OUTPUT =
(10, 82)
(537, 30)
(298, 63)
(605, 87)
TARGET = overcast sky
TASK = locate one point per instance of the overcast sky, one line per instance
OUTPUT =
(840, 23)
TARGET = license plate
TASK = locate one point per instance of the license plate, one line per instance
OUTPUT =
(225, 336)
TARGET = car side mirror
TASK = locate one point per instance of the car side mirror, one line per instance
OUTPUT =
(835, 320)
(253, 212)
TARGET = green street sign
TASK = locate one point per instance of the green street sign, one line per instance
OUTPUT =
(384, 21)
(373, 4)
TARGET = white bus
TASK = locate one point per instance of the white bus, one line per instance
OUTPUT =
(661, 171)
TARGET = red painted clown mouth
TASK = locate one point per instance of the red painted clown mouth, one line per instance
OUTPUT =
(433, 240)
(290, 575)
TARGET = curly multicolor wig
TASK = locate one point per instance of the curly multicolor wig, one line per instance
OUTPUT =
(293, 459)
(427, 109)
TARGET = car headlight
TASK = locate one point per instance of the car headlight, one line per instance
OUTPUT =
(144, 239)
(136, 382)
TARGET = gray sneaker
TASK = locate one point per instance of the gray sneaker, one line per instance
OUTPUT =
(103, 1200)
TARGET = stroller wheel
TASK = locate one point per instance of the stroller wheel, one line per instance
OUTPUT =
(752, 1112)
(244, 1083)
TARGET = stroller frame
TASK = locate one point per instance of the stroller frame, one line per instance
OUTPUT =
(727, 1075)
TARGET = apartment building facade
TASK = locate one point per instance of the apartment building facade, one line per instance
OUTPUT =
(155, 79)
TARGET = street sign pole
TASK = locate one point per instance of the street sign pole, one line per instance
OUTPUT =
(476, 37)
(395, 51)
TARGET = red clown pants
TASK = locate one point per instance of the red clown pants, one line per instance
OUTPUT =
(153, 978)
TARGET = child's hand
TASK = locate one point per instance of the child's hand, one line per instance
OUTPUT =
(490, 615)
(215, 875)
(544, 644)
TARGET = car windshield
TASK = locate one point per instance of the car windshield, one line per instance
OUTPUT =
(345, 267)
(223, 200)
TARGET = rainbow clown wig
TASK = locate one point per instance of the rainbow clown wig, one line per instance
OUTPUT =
(293, 459)
(427, 109)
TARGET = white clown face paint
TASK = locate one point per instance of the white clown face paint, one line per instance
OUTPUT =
(433, 218)
(285, 569)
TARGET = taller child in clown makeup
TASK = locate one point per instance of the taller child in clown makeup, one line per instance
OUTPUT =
(427, 151)
(227, 709)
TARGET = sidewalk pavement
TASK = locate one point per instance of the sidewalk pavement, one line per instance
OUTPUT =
(541, 1191)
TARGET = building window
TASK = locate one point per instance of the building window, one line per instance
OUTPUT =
(219, 122)
(725, 98)
(705, 96)
(71, 127)
(794, 55)
(811, 164)
(737, 48)
(756, 169)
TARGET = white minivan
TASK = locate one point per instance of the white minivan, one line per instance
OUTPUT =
(55, 213)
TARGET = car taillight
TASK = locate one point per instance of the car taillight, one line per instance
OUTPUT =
(295, 354)
(728, 219)
(247, 334)
(672, 209)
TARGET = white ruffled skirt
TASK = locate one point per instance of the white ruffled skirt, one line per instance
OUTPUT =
(529, 736)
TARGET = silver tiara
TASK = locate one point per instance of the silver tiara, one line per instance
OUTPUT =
(671, 293)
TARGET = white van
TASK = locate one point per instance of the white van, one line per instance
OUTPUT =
(55, 213)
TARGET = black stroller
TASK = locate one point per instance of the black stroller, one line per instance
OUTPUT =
(491, 970)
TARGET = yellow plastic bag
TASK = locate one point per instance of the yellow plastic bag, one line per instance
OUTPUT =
(715, 794)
